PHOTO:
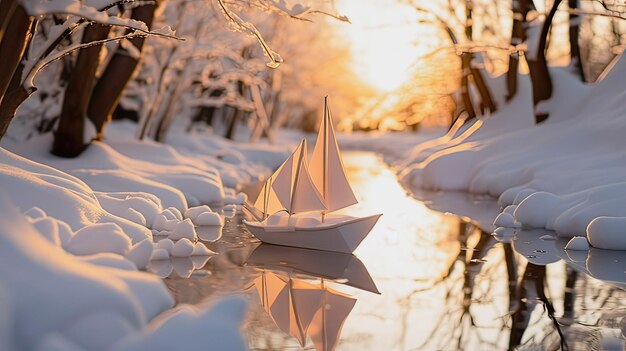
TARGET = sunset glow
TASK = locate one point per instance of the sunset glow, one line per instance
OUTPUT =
(383, 36)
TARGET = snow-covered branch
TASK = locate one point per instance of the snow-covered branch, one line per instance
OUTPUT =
(298, 11)
(238, 24)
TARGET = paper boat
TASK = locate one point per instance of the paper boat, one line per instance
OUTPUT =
(342, 236)
(297, 201)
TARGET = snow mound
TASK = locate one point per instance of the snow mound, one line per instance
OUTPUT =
(73, 294)
(577, 243)
(184, 230)
(182, 248)
(607, 233)
(102, 167)
(140, 253)
(106, 237)
(506, 220)
(194, 212)
(209, 219)
(59, 195)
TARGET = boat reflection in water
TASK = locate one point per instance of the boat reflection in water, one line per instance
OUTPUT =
(294, 286)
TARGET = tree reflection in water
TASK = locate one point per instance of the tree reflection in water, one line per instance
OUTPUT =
(476, 298)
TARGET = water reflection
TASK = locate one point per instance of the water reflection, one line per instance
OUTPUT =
(445, 284)
(581, 321)
(183, 267)
(294, 287)
(337, 267)
(303, 309)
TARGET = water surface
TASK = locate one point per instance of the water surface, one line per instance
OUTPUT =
(444, 283)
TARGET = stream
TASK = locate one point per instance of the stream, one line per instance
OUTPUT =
(421, 280)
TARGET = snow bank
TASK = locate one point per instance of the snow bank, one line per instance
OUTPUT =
(43, 281)
(59, 194)
(70, 215)
(566, 174)
(192, 170)
(105, 169)
(233, 163)
(52, 300)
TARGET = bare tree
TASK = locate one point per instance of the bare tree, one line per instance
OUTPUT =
(538, 65)
(21, 66)
(469, 72)
(118, 73)
(69, 135)
(13, 42)
(520, 9)
(574, 29)
(486, 100)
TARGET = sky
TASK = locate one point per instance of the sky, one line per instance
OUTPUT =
(384, 36)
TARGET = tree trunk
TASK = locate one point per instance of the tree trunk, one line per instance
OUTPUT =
(538, 66)
(68, 138)
(574, 27)
(487, 101)
(518, 35)
(14, 41)
(14, 97)
(466, 59)
(466, 63)
(12, 100)
(7, 10)
(108, 90)
(207, 113)
(237, 116)
(14, 94)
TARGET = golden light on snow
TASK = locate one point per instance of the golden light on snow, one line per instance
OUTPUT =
(384, 39)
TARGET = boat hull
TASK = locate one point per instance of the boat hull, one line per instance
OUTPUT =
(341, 237)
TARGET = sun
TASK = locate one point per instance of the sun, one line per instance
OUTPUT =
(384, 37)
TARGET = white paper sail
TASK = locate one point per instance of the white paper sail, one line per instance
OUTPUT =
(267, 202)
(294, 187)
(326, 167)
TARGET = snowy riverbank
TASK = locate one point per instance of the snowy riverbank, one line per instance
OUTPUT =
(565, 175)
(80, 229)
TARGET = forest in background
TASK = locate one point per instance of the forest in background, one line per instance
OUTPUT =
(72, 66)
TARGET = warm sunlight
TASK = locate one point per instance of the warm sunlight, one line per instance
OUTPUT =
(384, 38)
(312, 175)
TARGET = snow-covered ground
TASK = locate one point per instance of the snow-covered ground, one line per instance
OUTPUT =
(81, 229)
